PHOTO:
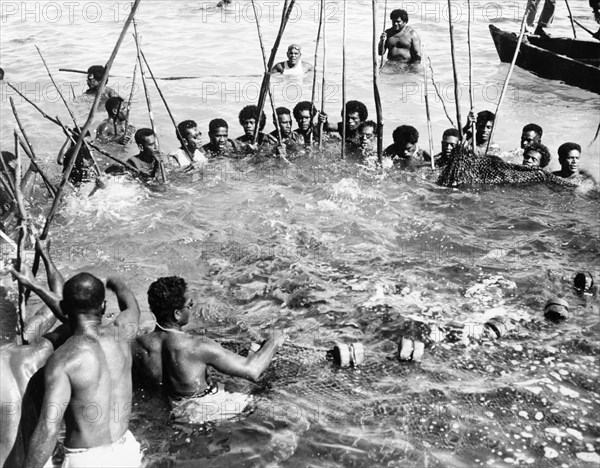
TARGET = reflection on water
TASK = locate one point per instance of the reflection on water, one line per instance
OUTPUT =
(337, 252)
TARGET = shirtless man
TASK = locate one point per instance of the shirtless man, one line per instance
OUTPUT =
(113, 128)
(356, 114)
(292, 141)
(176, 361)
(192, 141)
(248, 118)
(88, 381)
(449, 142)
(568, 156)
(220, 144)
(294, 64)
(304, 113)
(147, 161)
(483, 130)
(536, 155)
(94, 77)
(405, 151)
(19, 364)
(401, 41)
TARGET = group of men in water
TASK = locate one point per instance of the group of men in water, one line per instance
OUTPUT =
(82, 371)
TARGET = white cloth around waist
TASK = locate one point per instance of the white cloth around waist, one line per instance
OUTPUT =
(125, 453)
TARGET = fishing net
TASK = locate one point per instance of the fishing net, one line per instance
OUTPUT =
(461, 404)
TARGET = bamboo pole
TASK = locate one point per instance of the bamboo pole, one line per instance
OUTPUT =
(57, 88)
(323, 82)
(31, 156)
(21, 310)
(314, 82)
(148, 102)
(29, 149)
(376, 85)
(471, 93)
(130, 98)
(571, 18)
(384, 21)
(82, 134)
(46, 116)
(264, 57)
(454, 71)
(70, 136)
(428, 113)
(179, 135)
(506, 81)
(344, 118)
(287, 10)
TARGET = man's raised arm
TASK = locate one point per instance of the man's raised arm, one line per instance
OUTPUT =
(130, 311)
(52, 299)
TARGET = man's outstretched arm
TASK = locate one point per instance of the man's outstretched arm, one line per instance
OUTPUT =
(251, 367)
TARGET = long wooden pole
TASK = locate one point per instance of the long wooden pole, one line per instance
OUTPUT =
(376, 85)
(82, 134)
(264, 57)
(471, 93)
(46, 116)
(29, 151)
(428, 114)
(57, 88)
(148, 102)
(314, 82)
(31, 156)
(454, 71)
(384, 21)
(128, 109)
(507, 80)
(323, 82)
(287, 10)
(179, 135)
(344, 118)
(21, 241)
(571, 18)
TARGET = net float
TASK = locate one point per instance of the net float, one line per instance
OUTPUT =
(556, 309)
(584, 281)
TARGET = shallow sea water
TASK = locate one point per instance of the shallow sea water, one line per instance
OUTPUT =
(365, 251)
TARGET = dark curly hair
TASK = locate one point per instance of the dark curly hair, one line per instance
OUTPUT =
(542, 149)
(357, 107)
(165, 296)
(566, 148)
(251, 112)
(405, 134)
(302, 106)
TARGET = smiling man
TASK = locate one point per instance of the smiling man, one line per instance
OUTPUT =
(94, 77)
(294, 64)
(401, 41)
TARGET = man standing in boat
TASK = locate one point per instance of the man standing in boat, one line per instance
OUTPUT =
(401, 41)
(546, 17)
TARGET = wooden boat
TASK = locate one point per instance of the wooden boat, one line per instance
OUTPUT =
(574, 61)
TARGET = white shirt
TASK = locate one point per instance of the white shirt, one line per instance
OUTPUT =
(180, 158)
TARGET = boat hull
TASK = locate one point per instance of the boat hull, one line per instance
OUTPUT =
(554, 58)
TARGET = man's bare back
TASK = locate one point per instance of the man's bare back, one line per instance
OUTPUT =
(88, 379)
(176, 360)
